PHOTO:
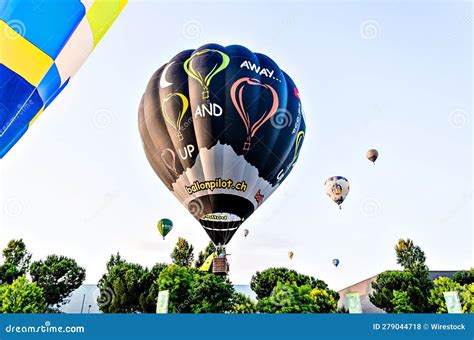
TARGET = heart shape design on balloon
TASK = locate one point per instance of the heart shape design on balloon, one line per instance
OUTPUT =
(236, 93)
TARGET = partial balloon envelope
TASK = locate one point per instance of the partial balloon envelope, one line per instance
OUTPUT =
(222, 127)
(42, 45)
(337, 188)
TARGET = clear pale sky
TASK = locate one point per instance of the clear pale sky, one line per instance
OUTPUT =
(393, 76)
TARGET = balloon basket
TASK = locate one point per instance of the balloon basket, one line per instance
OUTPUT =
(205, 94)
(246, 146)
(180, 135)
(220, 266)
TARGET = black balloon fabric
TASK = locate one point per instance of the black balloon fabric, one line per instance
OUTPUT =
(222, 127)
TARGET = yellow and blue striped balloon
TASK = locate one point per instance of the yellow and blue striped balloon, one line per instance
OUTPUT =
(42, 44)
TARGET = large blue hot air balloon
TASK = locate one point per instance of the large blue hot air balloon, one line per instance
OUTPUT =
(222, 127)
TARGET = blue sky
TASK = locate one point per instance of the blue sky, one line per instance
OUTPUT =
(394, 76)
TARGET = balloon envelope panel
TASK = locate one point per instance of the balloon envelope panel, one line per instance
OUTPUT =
(222, 127)
(42, 44)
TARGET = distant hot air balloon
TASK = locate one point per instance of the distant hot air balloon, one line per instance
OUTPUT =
(164, 226)
(290, 255)
(337, 188)
(372, 155)
(335, 262)
(222, 127)
(246, 232)
(42, 45)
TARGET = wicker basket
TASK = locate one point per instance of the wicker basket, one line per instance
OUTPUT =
(219, 266)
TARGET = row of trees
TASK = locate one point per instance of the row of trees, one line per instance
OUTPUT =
(38, 286)
(278, 290)
(131, 288)
(412, 291)
(46, 285)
